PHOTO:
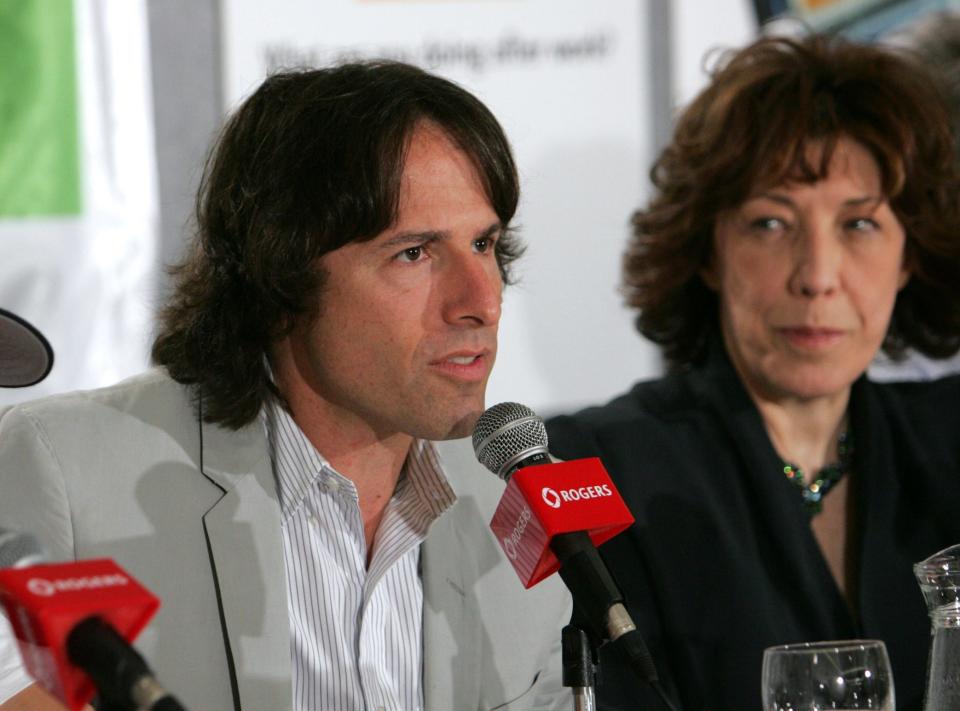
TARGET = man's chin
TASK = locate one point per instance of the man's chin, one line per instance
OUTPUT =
(458, 426)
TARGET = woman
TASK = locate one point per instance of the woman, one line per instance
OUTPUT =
(806, 217)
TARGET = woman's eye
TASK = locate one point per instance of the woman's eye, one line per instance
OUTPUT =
(767, 224)
(862, 224)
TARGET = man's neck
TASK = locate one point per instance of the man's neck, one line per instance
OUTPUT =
(372, 460)
(374, 469)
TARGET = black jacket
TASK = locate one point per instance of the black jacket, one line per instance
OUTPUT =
(722, 562)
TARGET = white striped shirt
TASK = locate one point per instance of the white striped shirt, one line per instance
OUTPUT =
(356, 632)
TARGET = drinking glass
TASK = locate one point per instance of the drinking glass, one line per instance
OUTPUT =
(812, 676)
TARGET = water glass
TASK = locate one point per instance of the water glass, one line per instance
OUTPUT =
(812, 676)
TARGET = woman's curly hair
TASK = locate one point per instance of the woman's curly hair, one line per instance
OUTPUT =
(749, 130)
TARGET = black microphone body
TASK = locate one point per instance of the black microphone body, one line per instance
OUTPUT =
(121, 675)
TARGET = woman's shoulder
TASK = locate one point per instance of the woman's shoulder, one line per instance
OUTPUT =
(922, 394)
(646, 410)
(660, 397)
(925, 404)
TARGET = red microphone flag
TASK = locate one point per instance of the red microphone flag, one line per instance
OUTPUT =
(45, 602)
(545, 500)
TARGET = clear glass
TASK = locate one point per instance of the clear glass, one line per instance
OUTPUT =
(939, 578)
(812, 676)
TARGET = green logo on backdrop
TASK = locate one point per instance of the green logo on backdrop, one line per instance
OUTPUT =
(39, 151)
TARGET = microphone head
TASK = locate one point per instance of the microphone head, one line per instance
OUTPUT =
(505, 435)
(19, 550)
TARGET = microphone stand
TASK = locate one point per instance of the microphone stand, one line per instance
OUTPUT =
(579, 667)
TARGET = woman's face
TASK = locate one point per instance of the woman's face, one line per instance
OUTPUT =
(807, 276)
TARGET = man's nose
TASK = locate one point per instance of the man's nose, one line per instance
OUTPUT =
(474, 291)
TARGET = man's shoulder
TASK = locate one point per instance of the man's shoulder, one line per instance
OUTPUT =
(148, 401)
(153, 387)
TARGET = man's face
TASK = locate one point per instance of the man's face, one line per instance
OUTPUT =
(406, 330)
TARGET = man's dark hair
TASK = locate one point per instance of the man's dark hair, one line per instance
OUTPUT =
(750, 130)
(309, 163)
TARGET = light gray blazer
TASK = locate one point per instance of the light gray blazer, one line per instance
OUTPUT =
(191, 511)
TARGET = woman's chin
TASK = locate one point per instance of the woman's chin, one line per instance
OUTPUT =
(810, 386)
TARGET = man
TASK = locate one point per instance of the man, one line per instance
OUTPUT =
(274, 483)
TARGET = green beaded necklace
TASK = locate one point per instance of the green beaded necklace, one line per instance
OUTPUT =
(829, 475)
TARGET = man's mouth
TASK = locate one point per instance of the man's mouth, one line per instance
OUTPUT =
(465, 365)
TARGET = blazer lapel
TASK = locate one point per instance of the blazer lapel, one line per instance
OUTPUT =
(451, 624)
(246, 557)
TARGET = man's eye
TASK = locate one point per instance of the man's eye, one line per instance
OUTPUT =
(411, 254)
(483, 245)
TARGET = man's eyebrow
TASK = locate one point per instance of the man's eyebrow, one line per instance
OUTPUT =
(404, 238)
(490, 231)
(425, 237)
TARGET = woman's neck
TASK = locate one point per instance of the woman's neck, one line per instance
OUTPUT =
(806, 432)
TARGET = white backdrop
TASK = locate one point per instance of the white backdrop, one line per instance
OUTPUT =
(568, 81)
(87, 280)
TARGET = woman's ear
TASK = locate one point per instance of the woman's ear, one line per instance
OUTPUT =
(708, 273)
(708, 270)
(906, 267)
(905, 272)
(904, 278)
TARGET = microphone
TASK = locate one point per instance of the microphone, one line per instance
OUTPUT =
(18, 550)
(552, 516)
(74, 623)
